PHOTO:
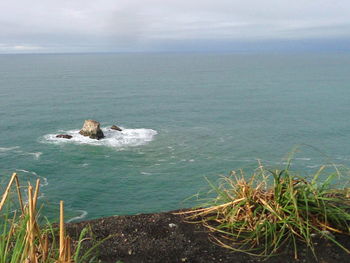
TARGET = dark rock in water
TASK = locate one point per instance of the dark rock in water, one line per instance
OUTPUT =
(64, 136)
(115, 127)
(92, 129)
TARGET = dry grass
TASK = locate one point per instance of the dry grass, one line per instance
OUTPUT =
(272, 209)
(22, 239)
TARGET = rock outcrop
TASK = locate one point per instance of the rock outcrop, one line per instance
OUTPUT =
(115, 127)
(64, 136)
(92, 129)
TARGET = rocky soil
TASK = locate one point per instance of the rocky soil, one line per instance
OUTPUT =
(167, 237)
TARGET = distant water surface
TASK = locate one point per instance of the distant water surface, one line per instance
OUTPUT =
(185, 117)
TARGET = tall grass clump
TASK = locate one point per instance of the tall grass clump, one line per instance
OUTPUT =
(23, 240)
(271, 209)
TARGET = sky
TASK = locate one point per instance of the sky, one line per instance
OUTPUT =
(46, 26)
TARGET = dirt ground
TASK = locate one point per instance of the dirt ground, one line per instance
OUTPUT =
(166, 237)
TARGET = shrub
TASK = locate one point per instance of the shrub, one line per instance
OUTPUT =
(275, 208)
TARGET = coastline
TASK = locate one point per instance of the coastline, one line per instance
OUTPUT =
(167, 237)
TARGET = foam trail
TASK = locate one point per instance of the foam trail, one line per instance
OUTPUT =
(41, 196)
(313, 166)
(303, 159)
(43, 180)
(36, 155)
(244, 160)
(82, 216)
(114, 139)
(24, 171)
(6, 149)
(343, 158)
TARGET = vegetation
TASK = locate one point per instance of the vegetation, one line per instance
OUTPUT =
(274, 209)
(260, 214)
(22, 239)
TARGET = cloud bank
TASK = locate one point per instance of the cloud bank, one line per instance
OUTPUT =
(161, 25)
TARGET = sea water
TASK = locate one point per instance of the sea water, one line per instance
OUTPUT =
(184, 117)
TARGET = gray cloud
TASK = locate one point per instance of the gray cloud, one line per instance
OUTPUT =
(131, 25)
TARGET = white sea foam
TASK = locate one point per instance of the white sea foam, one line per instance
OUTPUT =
(145, 173)
(7, 149)
(313, 166)
(16, 149)
(24, 171)
(243, 160)
(43, 180)
(36, 155)
(303, 159)
(114, 139)
(82, 215)
(344, 158)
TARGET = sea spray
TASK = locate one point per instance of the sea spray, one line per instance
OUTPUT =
(113, 139)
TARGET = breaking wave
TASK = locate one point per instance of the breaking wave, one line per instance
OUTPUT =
(7, 149)
(43, 180)
(36, 155)
(115, 139)
(82, 215)
(17, 150)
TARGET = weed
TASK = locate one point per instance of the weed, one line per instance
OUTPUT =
(274, 208)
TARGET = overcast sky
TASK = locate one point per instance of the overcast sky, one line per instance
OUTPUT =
(171, 25)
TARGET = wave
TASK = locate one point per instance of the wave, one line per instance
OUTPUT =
(7, 149)
(344, 158)
(313, 166)
(36, 155)
(43, 180)
(16, 149)
(81, 216)
(114, 139)
(303, 159)
(25, 171)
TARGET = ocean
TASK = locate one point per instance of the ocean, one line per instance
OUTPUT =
(186, 117)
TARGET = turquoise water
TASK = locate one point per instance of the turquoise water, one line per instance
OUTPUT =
(186, 117)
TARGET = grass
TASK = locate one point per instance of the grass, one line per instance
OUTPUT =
(23, 240)
(274, 209)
